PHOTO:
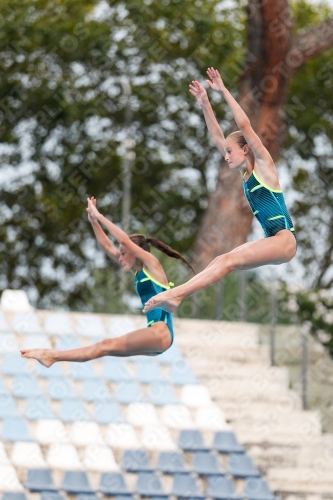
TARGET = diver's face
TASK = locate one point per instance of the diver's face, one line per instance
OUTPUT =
(127, 259)
(235, 155)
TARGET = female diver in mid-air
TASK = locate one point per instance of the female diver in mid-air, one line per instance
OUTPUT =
(244, 151)
(133, 255)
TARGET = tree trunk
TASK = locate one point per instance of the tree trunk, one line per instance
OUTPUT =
(272, 57)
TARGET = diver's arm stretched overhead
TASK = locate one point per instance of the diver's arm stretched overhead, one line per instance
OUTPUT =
(102, 240)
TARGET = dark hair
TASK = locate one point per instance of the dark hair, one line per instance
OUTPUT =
(145, 243)
(240, 140)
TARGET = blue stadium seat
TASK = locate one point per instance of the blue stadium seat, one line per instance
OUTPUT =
(49, 495)
(87, 496)
(38, 408)
(191, 440)
(60, 388)
(13, 364)
(4, 327)
(257, 489)
(181, 373)
(148, 373)
(162, 393)
(75, 482)
(170, 462)
(82, 371)
(25, 386)
(140, 359)
(128, 392)
(13, 496)
(136, 461)
(39, 480)
(170, 355)
(241, 466)
(7, 405)
(185, 486)
(113, 483)
(206, 464)
(115, 370)
(226, 442)
(58, 324)
(95, 390)
(53, 372)
(149, 485)
(108, 412)
(72, 410)
(15, 429)
(68, 342)
(221, 488)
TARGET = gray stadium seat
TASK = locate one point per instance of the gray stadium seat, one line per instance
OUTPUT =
(13, 496)
(15, 429)
(257, 489)
(185, 486)
(13, 364)
(221, 488)
(115, 370)
(52, 372)
(75, 482)
(149, 485)
(241, 466)
(112, 484)
(181, 373)
(49, 495)
(171, 463)
(7, 405)
(60, 388)
(170, 355)
(108, 412)
(72, 410)
(87, 496)
(95, 389)
(135, 461)
(191, 440)
(82, 371)
(148, 373)
(162, 393)
(206, 464)
(226, 442)
(25, 386)
(67, 343)
(39, 480)
(128, 392)
(58, 324)
(26, 323)
(38, 408)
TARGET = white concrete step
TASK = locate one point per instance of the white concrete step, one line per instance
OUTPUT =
(301, 480)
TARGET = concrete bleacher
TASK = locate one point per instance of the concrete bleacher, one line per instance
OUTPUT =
(207, 419)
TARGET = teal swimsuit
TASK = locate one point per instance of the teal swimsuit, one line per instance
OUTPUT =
(268, 206)
(146, 287)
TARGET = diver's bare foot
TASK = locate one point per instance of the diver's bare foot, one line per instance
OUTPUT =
(44, 356)
(164, 301)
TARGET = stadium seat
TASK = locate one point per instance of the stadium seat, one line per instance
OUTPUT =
(128, 392)
(36, 342)
(39, 480)
(53, 372)
(67, 343)
(4, 327)
(13, 364)
(185, 486)
(257, 489)
(9, 481)
(162, 393)
(122, 436)
(241, 466)
(226, 442)
(50, 431)
(26, 323)
(82, 371)
(94, 390)
(112, 484)
(206, 464)
(49, 495)
(157, 437)
(115, 370)
(210, 418)
(141, 414)
(87, 496)
(25, 386)
(14, 496)
(135, 461)
(85, 434)
(142, 360)
(195, 395)
(170, 356)
(108, 412)
(149, 486)
(8, 343)
(191, 440)
(15, 429)
(90, 326)
(7, 405)
(148, 373)
(58, 324)
(4, 460)
(60, 388)
(171, 463)
(221, 488)
(181, 373)
(72, 410)
(99, 458)
(75, 482)
(120, 326)
(38, 408)
(27, 455)
(64, 457)
(177, 417)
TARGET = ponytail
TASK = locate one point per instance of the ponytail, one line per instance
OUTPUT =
(145, 243)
